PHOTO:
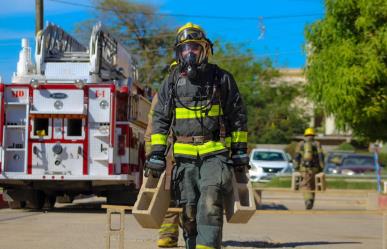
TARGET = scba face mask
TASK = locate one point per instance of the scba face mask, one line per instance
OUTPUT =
(191, 57)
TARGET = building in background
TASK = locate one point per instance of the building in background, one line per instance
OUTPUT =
(327, 132)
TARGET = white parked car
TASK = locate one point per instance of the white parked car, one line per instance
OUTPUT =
(266, 163)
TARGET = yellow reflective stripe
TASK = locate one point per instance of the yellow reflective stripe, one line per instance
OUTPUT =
(239, 137)
(209, 147)
(194, 150)
(204, 247)
(185, 149)
(215, 111)
(159, 139)
(227, 142)
(171, 228)
(168, 225)
(183, 113)
(148, 147)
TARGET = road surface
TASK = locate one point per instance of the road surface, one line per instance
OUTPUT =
(83, 226)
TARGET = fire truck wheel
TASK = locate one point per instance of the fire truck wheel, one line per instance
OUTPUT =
(65, 199)
(37, 200)
(51, 200)
(16, 204)
(121, 198)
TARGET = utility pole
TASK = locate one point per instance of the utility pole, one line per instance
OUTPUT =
(39, 16)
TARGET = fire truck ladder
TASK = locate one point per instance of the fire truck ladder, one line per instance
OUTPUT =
(59, 56)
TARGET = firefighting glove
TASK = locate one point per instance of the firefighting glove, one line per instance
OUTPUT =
(240, 159)
(155, 164)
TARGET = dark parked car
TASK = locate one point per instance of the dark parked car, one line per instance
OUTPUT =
(350, 164)
(332, 159)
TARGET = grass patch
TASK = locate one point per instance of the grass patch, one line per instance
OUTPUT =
(345, 184)
(333, 183)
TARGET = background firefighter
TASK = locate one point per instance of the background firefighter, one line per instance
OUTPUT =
(309, 161)
(196, 101)
(169, 231)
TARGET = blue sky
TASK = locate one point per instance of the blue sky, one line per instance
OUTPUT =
(282, 41)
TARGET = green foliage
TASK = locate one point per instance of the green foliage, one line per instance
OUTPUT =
(347, 67)
(271, 116)
(150, 38)
(383, 159)
(291, 148)
(346, 147)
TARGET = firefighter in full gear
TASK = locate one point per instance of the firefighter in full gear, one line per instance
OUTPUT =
(169, 231)
(309, 161)
(197, 101)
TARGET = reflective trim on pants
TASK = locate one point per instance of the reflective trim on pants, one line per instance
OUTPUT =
(169, 228)
(204, 247)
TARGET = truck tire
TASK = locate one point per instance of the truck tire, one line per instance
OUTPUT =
(65, 199)
(122, 197)
(51, 200)
(37, 201)
(16, 204)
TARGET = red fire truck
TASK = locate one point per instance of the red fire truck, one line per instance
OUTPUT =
(73, 122)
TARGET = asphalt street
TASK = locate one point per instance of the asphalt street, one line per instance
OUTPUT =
(83, 226)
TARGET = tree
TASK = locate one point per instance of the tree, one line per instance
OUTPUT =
(346, 69)
(272, 118)
(148, 36)
(151, 38)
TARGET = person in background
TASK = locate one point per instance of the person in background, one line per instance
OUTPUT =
(309, 161)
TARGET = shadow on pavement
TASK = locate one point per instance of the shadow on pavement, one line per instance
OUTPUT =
(71, 208)
(264, 244)
(272, 206)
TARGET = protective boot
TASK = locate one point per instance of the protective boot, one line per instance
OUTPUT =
(309, 204)
(167, 242)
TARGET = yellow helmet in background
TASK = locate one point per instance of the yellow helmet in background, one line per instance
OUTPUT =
(309, 132)
(192, 33)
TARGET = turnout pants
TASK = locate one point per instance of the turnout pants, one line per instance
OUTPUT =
(170, 227)
(308, 181)
(201, 184)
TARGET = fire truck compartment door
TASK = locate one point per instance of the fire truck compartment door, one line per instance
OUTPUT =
(58, 101)
(64, 159)
(99, 105)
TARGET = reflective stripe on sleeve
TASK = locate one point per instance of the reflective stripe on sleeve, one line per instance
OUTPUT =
(159, 139)
(148, 147)
(239, 137)
(227, 142)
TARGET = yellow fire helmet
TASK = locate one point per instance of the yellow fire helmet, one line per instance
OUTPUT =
(191, 34)
(309, 132)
